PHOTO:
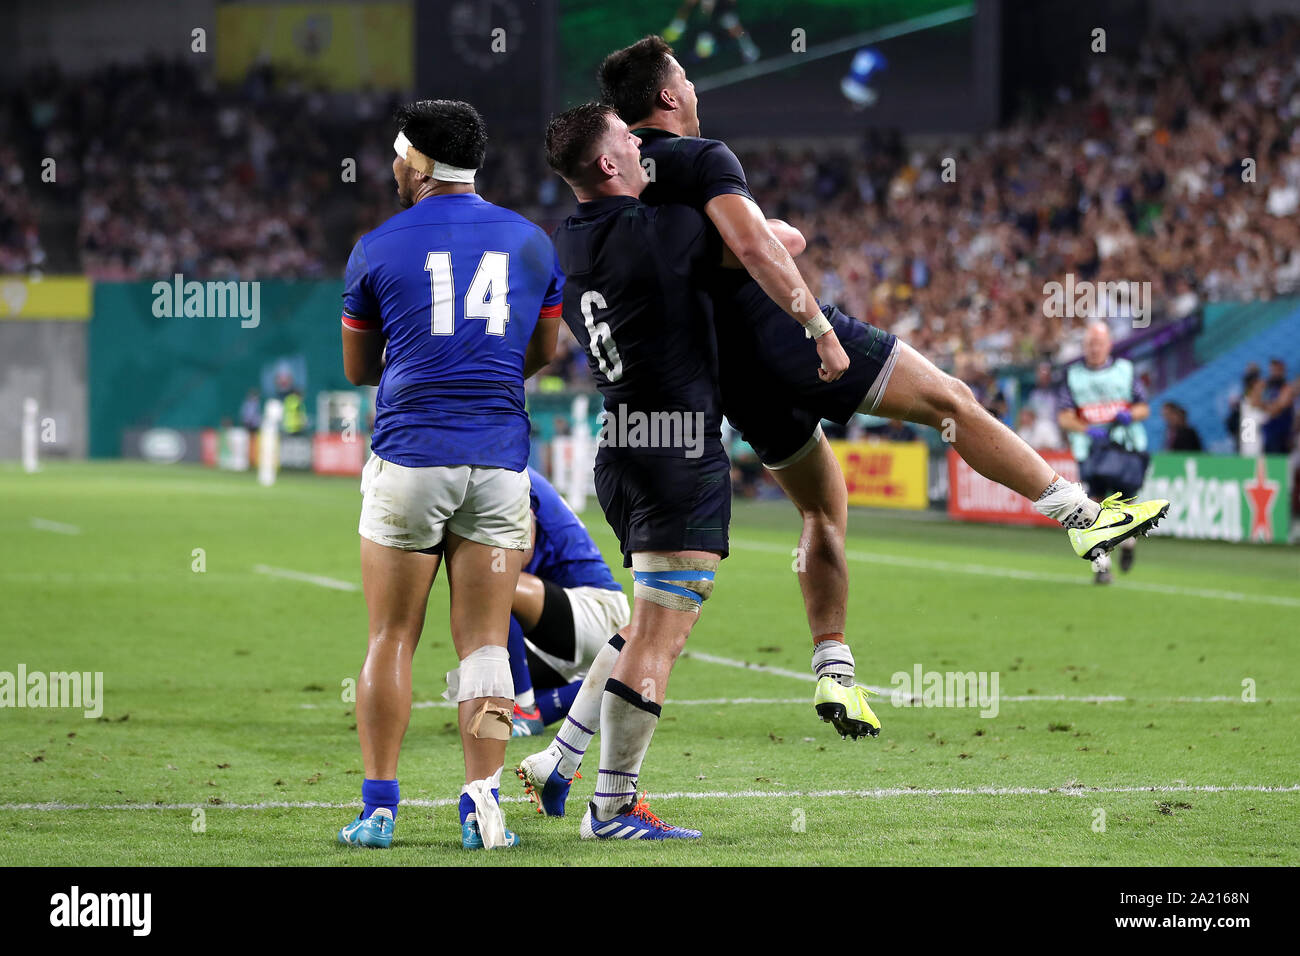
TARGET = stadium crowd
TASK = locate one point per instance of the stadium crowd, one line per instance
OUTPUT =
(1180, 167)
(21, 252)
(165, 171)
(1263, 419)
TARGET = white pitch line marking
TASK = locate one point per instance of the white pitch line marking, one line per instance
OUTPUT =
(888, 692)
(792, 701)
(881, 793)
(315, 579)
(986, 570)
(709, 701)
(58, 527)
(764, 668)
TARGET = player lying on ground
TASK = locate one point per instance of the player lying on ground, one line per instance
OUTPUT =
(634, 300)
(766, 372)
(567, 607)
(446, 480)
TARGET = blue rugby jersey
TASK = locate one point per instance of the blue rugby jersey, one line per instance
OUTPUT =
(455, 284)
(563, 552)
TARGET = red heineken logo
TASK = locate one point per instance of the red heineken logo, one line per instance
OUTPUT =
(1260, 493)
(1220, 497)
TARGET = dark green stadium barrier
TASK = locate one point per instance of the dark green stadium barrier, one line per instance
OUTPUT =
(144, 370)
(545, 407)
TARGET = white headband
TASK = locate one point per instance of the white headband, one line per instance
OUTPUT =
(430, 167)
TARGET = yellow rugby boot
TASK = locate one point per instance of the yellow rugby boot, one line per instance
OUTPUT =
(846, 708)
(1117, 521)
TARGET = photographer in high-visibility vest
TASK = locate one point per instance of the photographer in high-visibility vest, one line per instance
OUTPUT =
(1101, 407)
(295, 413)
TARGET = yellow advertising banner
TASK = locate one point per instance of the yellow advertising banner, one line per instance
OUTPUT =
(885, 474)
(337, 46)
(54, 297)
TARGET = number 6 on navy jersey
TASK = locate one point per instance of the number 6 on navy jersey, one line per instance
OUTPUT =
(486, 298)
(599, 335)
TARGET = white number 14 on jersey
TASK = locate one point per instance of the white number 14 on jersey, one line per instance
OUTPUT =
(486, 298)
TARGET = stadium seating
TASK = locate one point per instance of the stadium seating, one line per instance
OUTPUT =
(1207, 392)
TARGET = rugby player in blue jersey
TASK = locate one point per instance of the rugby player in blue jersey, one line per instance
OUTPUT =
(568, 609)
(447, 307)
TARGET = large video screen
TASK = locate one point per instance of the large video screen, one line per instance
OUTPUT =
(816, 64)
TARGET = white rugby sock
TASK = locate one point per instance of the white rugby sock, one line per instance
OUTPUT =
(627, 722)
(1066, 502)
(833, 659)
(526, 699)
(583, 719)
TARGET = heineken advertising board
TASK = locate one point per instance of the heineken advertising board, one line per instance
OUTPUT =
(1222, 497)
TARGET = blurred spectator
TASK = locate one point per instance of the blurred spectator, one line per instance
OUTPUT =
(1262, 420)
(250, 412)
(1251, 416)
(1038, 432)
(1279, 398)
(296, 420)
(1042, 400)
(1233, 422)
(1103, 405)
(21, 252)
(1179, 435)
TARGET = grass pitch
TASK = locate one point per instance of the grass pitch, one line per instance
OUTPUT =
(1122, 735)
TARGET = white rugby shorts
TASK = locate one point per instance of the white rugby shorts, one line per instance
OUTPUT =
(598, 614)
(412, 509)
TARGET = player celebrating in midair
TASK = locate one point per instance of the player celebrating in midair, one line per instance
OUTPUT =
(766, 367)
(448, 307)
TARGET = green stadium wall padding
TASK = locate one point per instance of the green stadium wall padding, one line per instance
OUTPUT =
(192, 372)
(1227, 324)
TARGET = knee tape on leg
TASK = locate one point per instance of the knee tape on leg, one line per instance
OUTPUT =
(483, 673)
(491, 722)
(680, 584)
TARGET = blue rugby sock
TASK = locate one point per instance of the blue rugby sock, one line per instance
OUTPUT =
(467, 803)
(555, 703)
(519, 662)
(379, 793)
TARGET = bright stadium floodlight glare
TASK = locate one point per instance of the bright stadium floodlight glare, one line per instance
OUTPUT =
(865, 62)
